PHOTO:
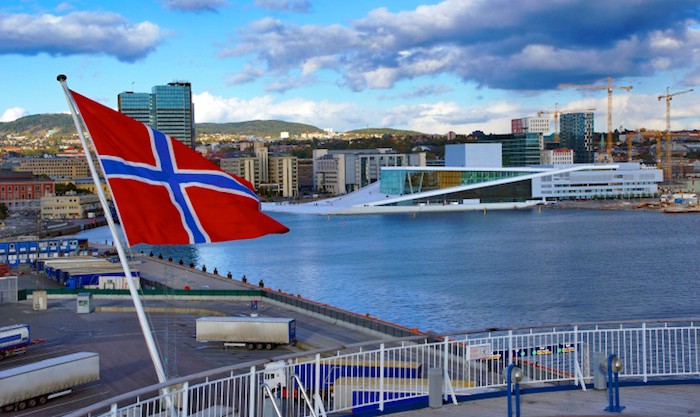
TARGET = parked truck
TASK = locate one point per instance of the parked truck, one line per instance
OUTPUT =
(34, 384)
(251, 332)
(14, 340)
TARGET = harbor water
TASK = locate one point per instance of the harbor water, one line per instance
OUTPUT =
(472, 270)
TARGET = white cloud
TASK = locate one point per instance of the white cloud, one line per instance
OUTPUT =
(78, 33)
(217, 109)
(12, 114)
(484, 42)
(194, 5)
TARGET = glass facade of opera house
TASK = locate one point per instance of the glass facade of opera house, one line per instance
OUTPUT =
(416, 181)
(497, 185)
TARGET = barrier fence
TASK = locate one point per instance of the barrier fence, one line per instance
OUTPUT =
(378, 375)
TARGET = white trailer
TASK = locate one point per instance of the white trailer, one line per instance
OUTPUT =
(252, 332)
(29, 385)
(13, 339)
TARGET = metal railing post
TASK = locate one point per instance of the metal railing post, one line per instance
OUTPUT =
(381, 377)
(445, 377)
(510, 347)
(644, 350)
(317, 379)
(253, 393)
(185, 398)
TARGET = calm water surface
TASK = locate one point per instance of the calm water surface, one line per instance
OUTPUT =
(461, 271)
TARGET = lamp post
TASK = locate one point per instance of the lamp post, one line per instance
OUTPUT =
(615, 365)
(514, 375)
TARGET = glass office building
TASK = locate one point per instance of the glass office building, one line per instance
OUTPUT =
(577, 134)
(519, 149)
(168, 109)
(136, 105)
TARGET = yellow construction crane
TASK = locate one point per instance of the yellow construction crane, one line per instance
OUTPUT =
(610, 88)
(556, 112)
(668, 97)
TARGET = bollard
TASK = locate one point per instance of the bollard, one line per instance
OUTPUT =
(513, 377)
(614, 366)
(435, 380)
(600, 382)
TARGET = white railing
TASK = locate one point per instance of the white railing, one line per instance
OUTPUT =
(381, 373)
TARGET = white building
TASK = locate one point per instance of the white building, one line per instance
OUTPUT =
(598, 181)
(474, 155)
(557, 157)
(342, 171)
(530, 125)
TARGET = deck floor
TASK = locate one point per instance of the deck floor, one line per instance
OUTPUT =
(646, 401)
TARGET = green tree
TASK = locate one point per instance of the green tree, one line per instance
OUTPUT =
(4, 211)
(62, 189)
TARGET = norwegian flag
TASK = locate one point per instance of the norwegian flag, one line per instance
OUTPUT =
(166, 193)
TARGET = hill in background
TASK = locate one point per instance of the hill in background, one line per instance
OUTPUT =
(378, 131)
(262, 128)
(39, 125)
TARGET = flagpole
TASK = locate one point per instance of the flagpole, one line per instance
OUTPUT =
(145, 328)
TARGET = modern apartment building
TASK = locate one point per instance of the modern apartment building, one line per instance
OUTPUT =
(247, 167)
(55, 167)
(577, 134)
(283, 171)
(275, 174)
(530, 124)
(69, 206)
(557, 157)
(168, 109)
(343, 171)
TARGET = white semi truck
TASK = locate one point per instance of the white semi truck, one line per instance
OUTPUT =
(252, 332)
(34, 384)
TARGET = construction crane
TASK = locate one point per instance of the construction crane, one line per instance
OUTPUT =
(668, 97)
(556, 112)
(610, 89)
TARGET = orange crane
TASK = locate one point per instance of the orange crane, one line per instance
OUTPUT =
(668, 97)
(556, 112)
(610, 89)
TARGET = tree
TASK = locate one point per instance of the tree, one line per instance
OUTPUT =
(4, 211)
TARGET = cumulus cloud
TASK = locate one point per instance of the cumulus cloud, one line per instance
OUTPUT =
(78, 33)
(195, 5)
(12, 114)
(217, 109)
(425, 90)
(497, 43)
(296, 6)
(440, 117)
(247, 75)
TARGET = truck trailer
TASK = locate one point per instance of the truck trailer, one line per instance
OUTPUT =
(14, 339)
(251, 332)
(34, 384)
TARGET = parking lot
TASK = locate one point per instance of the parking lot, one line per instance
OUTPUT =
(124, 362)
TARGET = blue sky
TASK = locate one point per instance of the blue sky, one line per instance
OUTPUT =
(431, 66)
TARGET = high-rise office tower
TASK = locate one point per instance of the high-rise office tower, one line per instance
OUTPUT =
(168, 108)
(577, 134)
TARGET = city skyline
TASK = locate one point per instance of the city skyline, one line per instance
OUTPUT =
(428, 66)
